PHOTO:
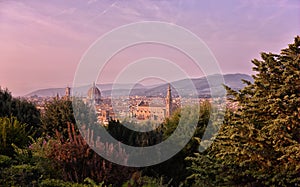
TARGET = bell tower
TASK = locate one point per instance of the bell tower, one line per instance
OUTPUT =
(169, 102)
(68, 92)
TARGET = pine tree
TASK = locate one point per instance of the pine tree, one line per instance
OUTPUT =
(259, 143)
(58, 113)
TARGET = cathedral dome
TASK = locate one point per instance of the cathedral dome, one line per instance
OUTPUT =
(94, 93)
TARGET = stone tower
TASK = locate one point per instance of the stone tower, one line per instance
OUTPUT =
(169, 102)
(68, 92)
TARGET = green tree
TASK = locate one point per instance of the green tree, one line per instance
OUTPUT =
(12, 132)
(58, 113)
(24, 111)
(84, 114)
(79, 161)
(259, 143)
(134, 138)
(174, 170)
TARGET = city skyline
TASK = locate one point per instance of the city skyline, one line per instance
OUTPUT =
(43, 42)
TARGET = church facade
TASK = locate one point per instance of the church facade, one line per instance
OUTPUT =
(155, 112)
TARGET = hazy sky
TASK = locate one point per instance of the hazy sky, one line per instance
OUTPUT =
(42, 42)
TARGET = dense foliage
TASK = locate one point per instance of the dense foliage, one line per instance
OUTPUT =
(259, 143)
(58, 113)
(127, 136)
(78, 161)
(174, 170)
(24, 111)
(12, 133)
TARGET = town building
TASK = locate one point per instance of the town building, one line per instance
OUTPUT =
(155, 111)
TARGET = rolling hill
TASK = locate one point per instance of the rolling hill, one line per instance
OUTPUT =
(201, 84)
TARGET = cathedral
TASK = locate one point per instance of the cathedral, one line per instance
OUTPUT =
(94, 95)
(155, 112)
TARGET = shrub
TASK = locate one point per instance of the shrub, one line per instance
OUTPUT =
(12, 132)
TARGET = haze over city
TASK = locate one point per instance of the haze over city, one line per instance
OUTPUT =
(42, 42)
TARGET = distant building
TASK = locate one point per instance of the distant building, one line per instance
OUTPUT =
(103, 106)
(94, 95)
(67, 93)
(142, 111)
(169, 102)
(104, 116)
(155, 112)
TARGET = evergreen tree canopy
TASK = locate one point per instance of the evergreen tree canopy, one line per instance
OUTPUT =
(174, 169)
(259, 143)
(12, 133)
(60, 112)
(57, 114)
(24, 111)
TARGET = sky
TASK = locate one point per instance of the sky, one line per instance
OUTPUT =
(42, 42)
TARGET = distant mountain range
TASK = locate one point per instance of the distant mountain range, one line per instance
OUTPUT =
(201, 84)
